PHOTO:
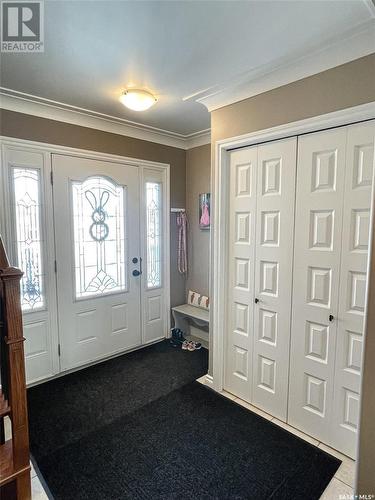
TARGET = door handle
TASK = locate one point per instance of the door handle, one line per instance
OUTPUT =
(331, 317)
(256, 300)
(136, 272)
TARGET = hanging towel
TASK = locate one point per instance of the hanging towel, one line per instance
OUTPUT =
(182, 252)
(205, 217)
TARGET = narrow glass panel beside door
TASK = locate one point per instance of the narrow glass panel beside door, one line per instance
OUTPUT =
(153, 280)
(28, 236)
(99, 241)
(26, 184)
(153, 210)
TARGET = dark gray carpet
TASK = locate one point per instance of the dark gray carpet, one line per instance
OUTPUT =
(66, 409)
(182, 442)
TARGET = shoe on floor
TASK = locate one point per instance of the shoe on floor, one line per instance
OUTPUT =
(177, 335)
(185, 345)
(194, 346)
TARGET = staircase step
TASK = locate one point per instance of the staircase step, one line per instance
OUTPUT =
(4, 407)
(8, 472)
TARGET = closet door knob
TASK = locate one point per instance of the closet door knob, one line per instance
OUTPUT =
(256, 300)
(331, 317)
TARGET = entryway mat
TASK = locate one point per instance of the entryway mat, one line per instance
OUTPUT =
(190, 443)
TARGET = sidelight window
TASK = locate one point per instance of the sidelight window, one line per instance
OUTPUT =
(153, 234)
(27, 201)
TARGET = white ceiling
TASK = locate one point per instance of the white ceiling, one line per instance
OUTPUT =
(93, 49)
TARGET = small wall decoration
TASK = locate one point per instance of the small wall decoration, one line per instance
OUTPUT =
(198, 300)
(205, 210)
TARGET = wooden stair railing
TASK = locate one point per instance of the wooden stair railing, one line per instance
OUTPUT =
(15, 483)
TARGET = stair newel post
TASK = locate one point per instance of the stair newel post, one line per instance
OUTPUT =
(16, 381)
(16, 365)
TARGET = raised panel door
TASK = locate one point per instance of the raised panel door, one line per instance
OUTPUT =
(97, 237)
(316, 280)
(352, 295)
(241, 261)
(273, 275)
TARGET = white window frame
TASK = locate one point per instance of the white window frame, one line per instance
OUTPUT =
(42, 222)
(126, 273)
(150, 174)
(8, 230)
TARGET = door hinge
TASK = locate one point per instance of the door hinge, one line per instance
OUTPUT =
(55, 266)
(58, 350)
(51, 177)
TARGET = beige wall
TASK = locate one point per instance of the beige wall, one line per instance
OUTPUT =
(198, 179)
(366, 472)
(337, 88)
(342, 87)
(40, 129)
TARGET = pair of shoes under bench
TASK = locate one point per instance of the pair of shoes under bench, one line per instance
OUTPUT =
(177, 337)
(190, 345)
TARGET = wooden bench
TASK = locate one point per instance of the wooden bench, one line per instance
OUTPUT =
(186, 316)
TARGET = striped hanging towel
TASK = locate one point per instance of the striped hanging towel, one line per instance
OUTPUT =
(182, 252)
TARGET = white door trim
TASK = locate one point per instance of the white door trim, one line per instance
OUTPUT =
(85, 153)
(48, 313)
(219, 189)
(49, 149)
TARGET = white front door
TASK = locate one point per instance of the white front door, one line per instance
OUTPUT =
(97, 234)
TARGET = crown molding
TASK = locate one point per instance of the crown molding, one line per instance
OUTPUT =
(370, 4)
(198, 139)
(355, 43)
(29, 104)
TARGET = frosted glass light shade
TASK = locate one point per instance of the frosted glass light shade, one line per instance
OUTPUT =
(137, 100)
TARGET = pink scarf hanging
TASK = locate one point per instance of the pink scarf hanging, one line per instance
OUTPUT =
(182, 252)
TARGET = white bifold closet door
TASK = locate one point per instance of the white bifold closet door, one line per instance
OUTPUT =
(334, 178)
(261, 212)
(353, 280)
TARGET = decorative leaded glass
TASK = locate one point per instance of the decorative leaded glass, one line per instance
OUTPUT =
(26, 183)
(99, 239)
(153, 235)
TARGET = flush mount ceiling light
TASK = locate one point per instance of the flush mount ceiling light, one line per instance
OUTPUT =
(137, 100)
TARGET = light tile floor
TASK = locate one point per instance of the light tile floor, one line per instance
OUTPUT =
(37, 489)
(343, 481)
